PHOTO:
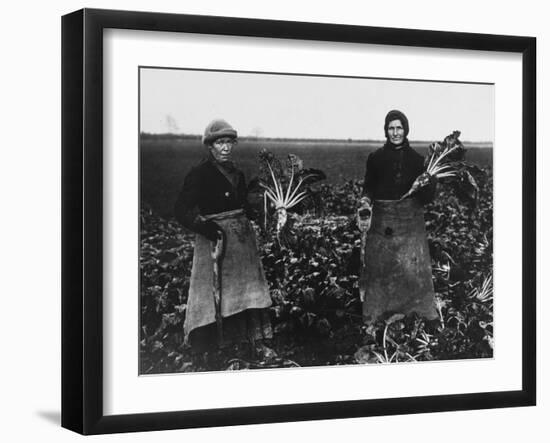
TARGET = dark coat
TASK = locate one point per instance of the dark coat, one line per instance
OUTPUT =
(206, 190)
(391, 172)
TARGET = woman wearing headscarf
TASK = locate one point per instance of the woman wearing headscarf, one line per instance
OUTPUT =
(228, 293)
(396, 275)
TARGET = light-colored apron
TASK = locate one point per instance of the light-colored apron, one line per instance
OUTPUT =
(243, 282)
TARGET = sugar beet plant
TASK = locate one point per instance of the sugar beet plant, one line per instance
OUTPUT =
(284, 186)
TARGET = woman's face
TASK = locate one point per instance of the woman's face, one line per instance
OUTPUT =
(396, 132)
(222, 149)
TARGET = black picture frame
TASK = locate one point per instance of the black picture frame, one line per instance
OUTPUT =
(82, 218)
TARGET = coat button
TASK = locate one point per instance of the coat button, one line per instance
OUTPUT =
(227, 194)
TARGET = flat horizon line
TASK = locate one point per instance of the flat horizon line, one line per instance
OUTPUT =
(297, 139)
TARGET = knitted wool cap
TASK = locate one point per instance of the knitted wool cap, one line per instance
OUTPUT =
(217, 129)
(396, 115)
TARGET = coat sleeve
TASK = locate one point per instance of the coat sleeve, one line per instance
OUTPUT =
(186, 208)
(249, 209)
(370, 178)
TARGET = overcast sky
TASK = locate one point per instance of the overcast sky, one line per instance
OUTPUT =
(272, 105)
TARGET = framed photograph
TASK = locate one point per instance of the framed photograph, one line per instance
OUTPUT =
(269, 221)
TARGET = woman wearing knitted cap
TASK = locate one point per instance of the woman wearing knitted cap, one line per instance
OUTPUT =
(228, 291)
(396, 275)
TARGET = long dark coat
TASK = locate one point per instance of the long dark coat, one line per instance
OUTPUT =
(391, 172)
(206, 191)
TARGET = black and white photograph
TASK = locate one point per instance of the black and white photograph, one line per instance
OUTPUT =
(292, 221)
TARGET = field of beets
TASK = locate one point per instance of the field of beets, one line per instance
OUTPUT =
(316, 311)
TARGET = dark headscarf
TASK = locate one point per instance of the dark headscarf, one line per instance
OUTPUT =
(396, 115)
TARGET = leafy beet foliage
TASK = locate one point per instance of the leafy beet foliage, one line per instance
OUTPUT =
(316, 312)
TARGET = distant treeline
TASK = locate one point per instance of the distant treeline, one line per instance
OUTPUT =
(171, 136)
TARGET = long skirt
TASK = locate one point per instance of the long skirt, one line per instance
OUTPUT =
(397, 272)
(243, 283)
(247, 327)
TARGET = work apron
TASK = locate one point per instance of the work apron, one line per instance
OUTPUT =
(243, 282)
(397, 273)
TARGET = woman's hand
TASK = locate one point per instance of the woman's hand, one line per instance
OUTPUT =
(364, 214)
(211, 230)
